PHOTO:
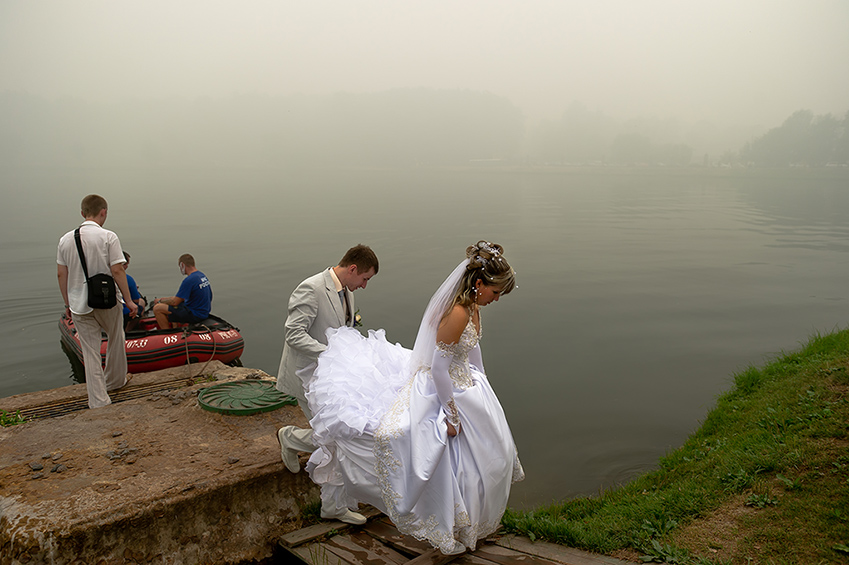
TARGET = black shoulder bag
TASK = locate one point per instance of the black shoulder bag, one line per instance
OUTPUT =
(102, 293)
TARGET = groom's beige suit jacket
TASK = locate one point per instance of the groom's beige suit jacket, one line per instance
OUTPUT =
(313, 308)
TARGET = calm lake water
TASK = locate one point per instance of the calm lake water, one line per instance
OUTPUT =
(640, 292)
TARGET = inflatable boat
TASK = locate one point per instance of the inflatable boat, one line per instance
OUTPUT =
(151, 349)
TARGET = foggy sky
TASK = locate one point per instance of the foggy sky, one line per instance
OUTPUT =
(726, 61)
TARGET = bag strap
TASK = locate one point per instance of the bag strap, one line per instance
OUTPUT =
(80, 250)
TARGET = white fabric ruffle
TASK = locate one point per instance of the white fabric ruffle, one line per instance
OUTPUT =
(360, 378)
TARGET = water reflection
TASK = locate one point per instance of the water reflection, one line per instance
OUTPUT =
(77, 368)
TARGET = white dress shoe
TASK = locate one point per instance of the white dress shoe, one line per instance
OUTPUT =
(289, 455)
(348, 517)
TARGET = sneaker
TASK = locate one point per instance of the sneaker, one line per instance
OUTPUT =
(347, 516)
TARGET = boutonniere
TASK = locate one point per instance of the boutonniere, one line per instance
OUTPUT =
(358, 320)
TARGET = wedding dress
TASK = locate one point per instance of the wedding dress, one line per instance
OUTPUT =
(382, 438)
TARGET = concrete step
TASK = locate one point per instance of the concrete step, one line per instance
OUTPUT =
(151, 478)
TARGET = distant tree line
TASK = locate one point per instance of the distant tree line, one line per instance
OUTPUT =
(584, 137)
(803, 139)
(404, 127)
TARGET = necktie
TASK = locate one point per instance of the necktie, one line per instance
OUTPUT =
(344, 305)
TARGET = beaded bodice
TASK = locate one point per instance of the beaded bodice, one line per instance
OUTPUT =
(459, 370)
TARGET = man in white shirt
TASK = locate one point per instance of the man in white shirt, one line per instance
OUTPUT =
(104, 255)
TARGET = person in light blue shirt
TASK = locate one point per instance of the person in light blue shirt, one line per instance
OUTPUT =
(193, 300)
(135, 296)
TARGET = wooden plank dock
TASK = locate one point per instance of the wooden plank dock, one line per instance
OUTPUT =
(378, 543)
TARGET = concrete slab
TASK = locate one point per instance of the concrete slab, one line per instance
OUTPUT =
(152, 478)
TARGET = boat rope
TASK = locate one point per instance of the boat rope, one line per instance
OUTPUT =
(186, 332)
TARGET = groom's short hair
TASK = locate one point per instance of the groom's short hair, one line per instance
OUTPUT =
(363, 257)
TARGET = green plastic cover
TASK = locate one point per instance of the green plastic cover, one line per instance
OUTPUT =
(243, 398)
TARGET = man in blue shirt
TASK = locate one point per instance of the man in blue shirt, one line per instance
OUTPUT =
(193, 301)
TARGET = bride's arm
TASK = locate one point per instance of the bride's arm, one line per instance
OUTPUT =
(449, 333)
(445, 387)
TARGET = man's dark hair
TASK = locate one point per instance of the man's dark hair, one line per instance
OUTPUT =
(363, 257)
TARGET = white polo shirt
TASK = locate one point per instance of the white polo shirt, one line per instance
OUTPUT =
(102, 250)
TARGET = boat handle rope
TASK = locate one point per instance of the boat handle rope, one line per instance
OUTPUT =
(186, 332)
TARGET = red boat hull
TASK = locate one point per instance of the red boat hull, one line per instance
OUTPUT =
(152, 349)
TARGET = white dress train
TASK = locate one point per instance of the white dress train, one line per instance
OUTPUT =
(382, 439)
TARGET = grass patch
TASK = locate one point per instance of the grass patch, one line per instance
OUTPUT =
(311, 512)
(7, 419)
(764, 480)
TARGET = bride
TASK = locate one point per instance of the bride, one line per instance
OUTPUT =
(419, 434)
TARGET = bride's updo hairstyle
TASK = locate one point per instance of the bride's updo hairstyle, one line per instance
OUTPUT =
(487, 264)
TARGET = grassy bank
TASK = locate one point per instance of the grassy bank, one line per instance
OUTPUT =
(765, 479)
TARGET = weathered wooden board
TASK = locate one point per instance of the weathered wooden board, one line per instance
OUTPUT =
(378, 542)
(557, 553)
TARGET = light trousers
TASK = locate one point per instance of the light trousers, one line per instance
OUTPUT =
(300, 439)
(99, 380)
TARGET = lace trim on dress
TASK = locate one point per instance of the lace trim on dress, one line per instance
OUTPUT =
(385, 461)
(459, 370)
(453, 414)
(518, 470)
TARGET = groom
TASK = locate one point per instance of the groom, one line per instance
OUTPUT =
(324, 300)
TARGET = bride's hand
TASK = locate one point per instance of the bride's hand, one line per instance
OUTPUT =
(452, 431)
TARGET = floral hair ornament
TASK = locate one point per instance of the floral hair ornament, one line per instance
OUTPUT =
(487, 246)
